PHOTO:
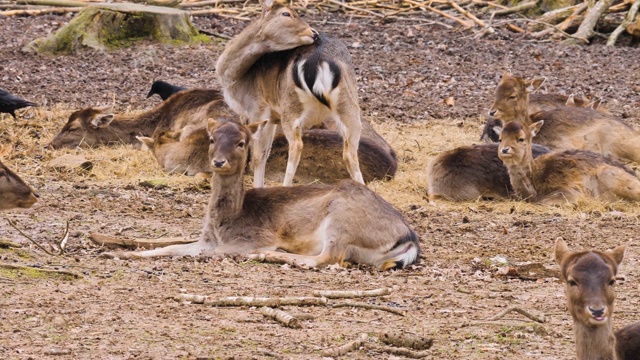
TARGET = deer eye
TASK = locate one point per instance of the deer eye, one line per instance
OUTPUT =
(521, 140)
(572, 283)
(612, 282)
(2, 173)
(241, 144)
(512, 97)
(211, 141)
(286, 13)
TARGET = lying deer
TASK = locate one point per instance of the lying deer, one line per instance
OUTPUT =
(589, 278)
(14, 192)
(566, 127)
(278, 68)
(97, 126)
(564, 176)
(469, 173)
(316, 224)
(185, 152)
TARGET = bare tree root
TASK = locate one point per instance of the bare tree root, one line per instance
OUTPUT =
(370, 307)
(252, 301)
(519, 310)
(329, 294)
(346, 348)
(282, 317)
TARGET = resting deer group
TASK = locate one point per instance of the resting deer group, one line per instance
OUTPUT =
(565, 127)
(14, 192)
(279, 68)
(589, 279)
(562, 177)
(315, 224)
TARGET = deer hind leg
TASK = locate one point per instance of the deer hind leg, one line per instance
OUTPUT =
(261, 147)
(294, 137)
(351, 131)
(204, 248)
(615, 184)
(294, 259)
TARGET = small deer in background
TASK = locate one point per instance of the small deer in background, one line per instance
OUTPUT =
(589, 279)
(14, 192)
(562, 177)
(315, 224)
(280, 69)
(181, 152)
(565, 127)
(95, 126)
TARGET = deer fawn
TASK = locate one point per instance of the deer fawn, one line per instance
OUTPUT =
(470, 173)
(316, 224)
(96, 126)
(565, 127)
(564, 176)
(14, 192)
(589, 278)
(280, 69)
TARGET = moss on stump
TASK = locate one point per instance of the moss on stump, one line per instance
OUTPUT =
(110, 26)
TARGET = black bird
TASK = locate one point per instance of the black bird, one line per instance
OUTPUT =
(164, 89)
(9, 103)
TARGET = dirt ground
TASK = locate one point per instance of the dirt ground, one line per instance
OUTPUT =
(124, 309)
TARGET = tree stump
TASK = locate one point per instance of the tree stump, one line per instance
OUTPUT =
(110, 26)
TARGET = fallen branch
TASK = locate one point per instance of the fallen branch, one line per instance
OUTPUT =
(564, 25)
(280, 316)
(517, 8)
(57, 3)
(399, 351)
(585, 31)
(9, 244)
(346, 348)
(406, 340)
(347, 294)
(56, 10)
(467, 14)
(60, 245)
(631, 15)
(370, 307)
(117, 242)
(519, 310)
(356, 8)
(550, 18)
(251, 301)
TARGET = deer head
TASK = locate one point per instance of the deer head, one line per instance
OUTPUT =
(14, 192)
(512, 97)
(83, 128)
(281, 28)
(229, 145)
(515, 142)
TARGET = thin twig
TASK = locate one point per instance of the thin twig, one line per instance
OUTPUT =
(346, 294)
(519, 310)
(60, 244)
(370, 307)
(251, 301)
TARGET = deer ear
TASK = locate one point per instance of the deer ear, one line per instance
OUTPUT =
(257, 126)
(571, 101)
(561, 250)
(595, 104)
(618, 253)
(535, 128)
(266, 5)
(506, 74)
(211, 124)
(5, 150)
(102, 120)
(147, 142)
(534, 84)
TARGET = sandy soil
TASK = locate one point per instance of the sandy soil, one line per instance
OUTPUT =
(123, 309)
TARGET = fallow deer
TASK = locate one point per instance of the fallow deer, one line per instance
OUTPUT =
(316, 224)
(562, 177)
(185, 152)
(14, 192)
(566, 127)
(279, 68)
(469, 173)
(589, 279)
(96, 126)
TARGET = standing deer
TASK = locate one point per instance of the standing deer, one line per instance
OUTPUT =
(14, 192)
(589, 278)
(280, 69)
(564, 176)
(97, 126)
(316, 224)
(565, 127)
(469, 173)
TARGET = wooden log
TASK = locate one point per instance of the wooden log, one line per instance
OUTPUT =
(552, 17)
(133, 243)
(585, 31)
(627, 24)
(252, 301)
(564, 25)
(280, 316)
(518, 8)
(406, 340)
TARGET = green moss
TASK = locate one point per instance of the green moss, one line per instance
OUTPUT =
(32, 273)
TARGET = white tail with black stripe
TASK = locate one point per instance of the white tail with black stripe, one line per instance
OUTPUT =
(280, 69)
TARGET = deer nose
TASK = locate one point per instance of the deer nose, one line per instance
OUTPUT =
(36, 195)
(492, 112)
(597, 312)
(219, 163)
(505, 150)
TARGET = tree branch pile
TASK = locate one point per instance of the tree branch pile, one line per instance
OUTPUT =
(577, 24)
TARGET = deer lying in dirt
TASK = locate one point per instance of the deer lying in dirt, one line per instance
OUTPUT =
(562, 177)
(185, 152)
(589, 278)
(469, 173)
(566, 127)
(280, 69)
(14, 192)
(96, 126)
(316, 224)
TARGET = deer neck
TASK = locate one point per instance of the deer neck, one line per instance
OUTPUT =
(125, 129)
(521, 175)
(239, 55)
(227, 197)
(595, 342)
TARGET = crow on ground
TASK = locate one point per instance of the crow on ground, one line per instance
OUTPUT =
(9, 103)
(164, 89)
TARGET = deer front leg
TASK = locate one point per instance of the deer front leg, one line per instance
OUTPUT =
(263, 140)
(294, 137)
(352, 128)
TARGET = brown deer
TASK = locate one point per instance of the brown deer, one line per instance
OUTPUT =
(92, 127)
(566, 127)
(280, 69)
(185, 152)
(14, 192)
(564, 176)
(315, 224)
(589, 279)
(469, 173)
